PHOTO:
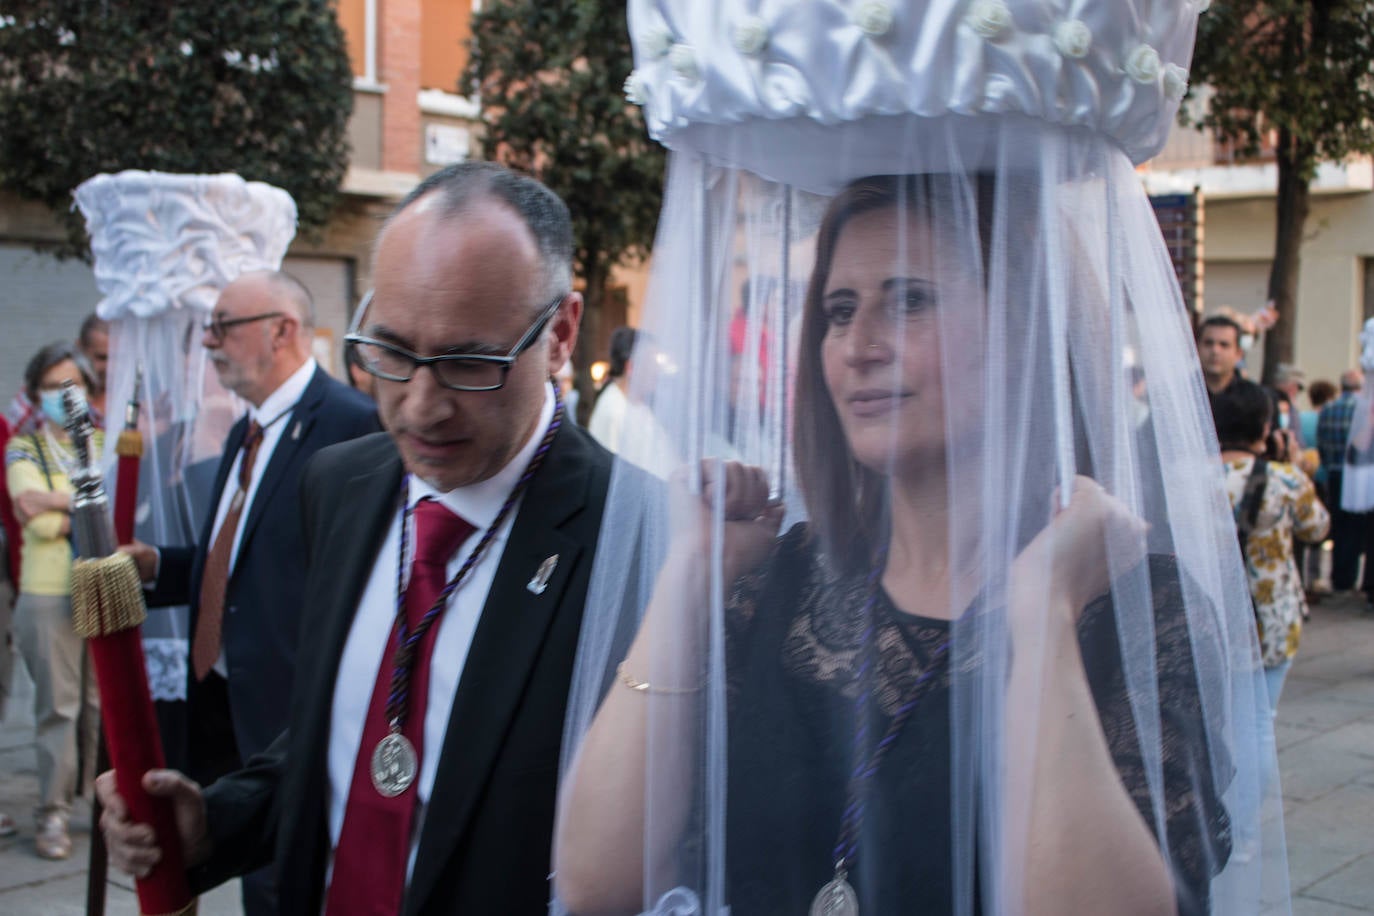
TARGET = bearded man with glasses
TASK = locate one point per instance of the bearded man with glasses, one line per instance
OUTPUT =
(449, 561)
(243, 579)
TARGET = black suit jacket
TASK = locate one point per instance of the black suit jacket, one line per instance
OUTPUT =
(485, 845)
(263, 602)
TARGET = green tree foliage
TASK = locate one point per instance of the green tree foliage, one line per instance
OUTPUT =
(1296, 73)
(551, 77)
(262, 88)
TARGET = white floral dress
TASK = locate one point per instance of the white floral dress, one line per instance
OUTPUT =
(1290, 509)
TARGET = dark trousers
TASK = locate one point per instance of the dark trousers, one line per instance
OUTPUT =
(213, 752)
(1352, 536)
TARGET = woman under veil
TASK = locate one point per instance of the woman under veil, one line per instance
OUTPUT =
(959, 633)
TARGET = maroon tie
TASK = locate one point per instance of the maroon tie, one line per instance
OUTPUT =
(214, 579)
(374, 846)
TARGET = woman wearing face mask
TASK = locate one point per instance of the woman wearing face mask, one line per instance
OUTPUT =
(36, 470)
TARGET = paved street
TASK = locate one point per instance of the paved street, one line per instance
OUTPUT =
(30, 886)
(1326, 753)
(1325, 735)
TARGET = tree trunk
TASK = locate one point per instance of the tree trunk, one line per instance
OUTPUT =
(588, 339)
(1294, 162)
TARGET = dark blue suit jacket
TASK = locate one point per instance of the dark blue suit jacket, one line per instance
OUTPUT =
(262, 609)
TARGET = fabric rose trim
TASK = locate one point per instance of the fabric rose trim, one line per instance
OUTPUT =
(683, 60)
(874, 18)
(1142, 64)
(1073, 38)
(656, 42)
(1175, 81)
(991, 19)
(750, 35)
(634, 89)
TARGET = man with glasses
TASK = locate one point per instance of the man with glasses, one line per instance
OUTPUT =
(244, 579)
(449, 562)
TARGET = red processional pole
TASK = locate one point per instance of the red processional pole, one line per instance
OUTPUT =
(129, 450)
(107, 611)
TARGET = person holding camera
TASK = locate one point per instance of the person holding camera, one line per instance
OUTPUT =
(1273, 502)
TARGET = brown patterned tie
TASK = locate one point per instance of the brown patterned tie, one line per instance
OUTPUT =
(214, 581)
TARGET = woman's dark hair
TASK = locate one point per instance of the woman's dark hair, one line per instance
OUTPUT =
(1241, 412)
(1221, 321)
(49, 356)
(622, 348)
(1322, 392)
(844, 499)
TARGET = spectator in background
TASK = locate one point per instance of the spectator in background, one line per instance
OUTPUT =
(1289, 382)
(93, 341)
(1319, 395)
(1347, 528)
(1219, 351)
(21, 414)
(93, 344)
(65, 697)
(564, 379)
(608, 414)
(1317, 571)
(1252, 326)
(10, 533)
(620, 420)
(1274, 503)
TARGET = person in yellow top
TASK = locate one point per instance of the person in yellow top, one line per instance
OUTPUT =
(36, 468)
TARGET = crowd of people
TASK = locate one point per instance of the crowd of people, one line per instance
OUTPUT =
(1284, 471)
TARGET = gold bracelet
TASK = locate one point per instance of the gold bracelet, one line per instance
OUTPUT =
(629, 680)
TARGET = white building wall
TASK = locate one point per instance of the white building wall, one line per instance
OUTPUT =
(1339, 238)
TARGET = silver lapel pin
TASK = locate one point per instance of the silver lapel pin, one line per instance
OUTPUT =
(296, 432)
(540, 582)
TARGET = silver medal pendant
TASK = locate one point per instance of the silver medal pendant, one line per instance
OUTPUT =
(836, 898)
(394, 765)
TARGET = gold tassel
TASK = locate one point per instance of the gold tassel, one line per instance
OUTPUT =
(129, 444)
(107, 596)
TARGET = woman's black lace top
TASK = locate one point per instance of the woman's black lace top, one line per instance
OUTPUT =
(794, 639)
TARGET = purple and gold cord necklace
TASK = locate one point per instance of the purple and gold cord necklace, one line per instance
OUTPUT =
(394, 761)
(837, 897)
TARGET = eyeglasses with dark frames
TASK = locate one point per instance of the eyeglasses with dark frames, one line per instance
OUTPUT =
(217, 325)
(455, 371)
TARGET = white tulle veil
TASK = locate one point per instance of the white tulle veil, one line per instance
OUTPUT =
(906, 269)
(163, 246)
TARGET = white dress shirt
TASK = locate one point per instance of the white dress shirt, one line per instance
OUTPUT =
(273, 414)
(371, 632)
